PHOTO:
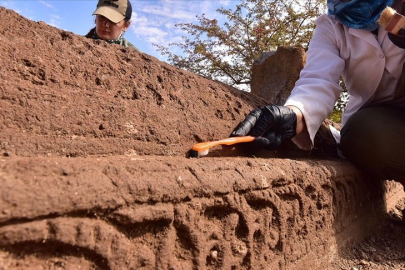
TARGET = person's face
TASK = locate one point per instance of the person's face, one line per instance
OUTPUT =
(108, 30)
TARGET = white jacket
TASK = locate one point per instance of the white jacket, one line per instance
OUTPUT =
(338, 50)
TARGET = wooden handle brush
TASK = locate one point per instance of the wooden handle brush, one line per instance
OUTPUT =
(392, 21)
(202, 149)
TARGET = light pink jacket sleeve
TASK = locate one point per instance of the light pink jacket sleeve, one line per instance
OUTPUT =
(337, 50)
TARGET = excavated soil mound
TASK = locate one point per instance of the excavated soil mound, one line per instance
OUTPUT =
(94, 171)
(65, 95)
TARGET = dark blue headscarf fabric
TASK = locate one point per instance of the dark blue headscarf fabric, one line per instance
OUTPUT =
(359, 14)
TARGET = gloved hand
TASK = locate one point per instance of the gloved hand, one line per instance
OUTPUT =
(271, 125)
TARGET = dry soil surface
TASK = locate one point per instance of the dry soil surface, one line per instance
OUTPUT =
(65, 96)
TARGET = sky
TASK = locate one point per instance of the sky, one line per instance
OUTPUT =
(153, 21)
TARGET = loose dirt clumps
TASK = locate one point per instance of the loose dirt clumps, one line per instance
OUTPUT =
(94, 171)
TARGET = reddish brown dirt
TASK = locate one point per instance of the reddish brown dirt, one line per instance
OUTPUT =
(71, 96)
(94, 139)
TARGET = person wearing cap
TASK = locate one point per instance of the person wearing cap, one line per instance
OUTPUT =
(113, 18)
(347, 43)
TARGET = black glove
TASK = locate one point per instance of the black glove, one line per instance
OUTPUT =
(399, 39)
(271, 125)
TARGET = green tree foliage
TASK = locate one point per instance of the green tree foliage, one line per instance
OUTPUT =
(226, 52)
(340, 105)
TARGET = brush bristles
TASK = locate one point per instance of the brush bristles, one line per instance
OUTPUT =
(203, 153)
(386, 16)
(196, 154)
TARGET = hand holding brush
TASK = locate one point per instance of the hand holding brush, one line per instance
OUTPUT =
(394, 24)
(263, 128)
(271, 125)
(392, 21)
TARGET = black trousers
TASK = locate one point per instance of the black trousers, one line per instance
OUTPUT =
(374, 139)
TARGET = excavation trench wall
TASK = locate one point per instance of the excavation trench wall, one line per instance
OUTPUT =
(156, 212)
(94, 170)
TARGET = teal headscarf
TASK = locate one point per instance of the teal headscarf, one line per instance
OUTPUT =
(359, 14)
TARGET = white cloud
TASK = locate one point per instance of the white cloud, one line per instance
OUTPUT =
(45, 4)
(168, 11)
(54, 20)
(224, 2)
(154, 21)
(150, 34)
(5, 3)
